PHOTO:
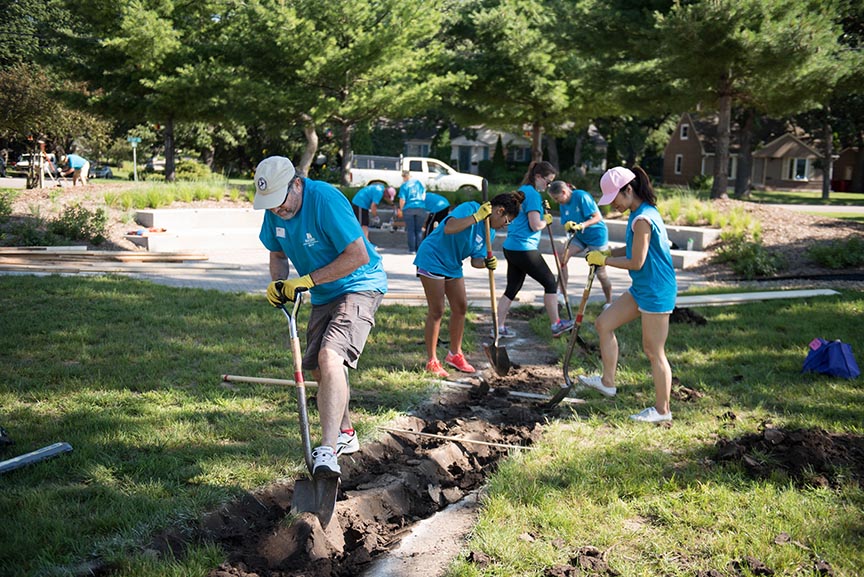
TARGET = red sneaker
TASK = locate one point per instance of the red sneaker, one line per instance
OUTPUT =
(434, 367)
(458, 362)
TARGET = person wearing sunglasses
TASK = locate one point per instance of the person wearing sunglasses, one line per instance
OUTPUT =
(311, 223)
(462, 234)
(650, 298)
(521, 248)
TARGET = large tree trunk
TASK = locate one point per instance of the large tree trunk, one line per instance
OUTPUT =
(170, 171)
(536, 141)
(721, 157)
(744, 178)
(827, 160)
(552, 147)
(577, 155)
(311, 148)
(345, 167)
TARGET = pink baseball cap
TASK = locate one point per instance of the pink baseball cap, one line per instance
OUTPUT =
(614, 180)
(390, 193)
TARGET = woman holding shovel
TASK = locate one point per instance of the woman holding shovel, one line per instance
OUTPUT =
(581, 217)
(521, 248)
(460, 235)
(651, 296)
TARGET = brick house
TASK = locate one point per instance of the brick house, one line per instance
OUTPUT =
(787, 161)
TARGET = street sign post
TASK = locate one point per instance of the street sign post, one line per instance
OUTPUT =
(134, 140)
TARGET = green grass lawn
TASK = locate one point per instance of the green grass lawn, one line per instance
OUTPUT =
(129, 373)
(808, 197)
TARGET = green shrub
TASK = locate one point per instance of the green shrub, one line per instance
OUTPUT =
(838, 254)
(702, 182)
(747, 258)
(78, 223)
(191, 170)
(5, 204)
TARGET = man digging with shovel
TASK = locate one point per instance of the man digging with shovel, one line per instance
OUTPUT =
(312, 224)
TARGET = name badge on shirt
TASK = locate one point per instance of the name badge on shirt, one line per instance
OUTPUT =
(280, 232)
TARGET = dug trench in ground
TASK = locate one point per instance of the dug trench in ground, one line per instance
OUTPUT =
(392, 483)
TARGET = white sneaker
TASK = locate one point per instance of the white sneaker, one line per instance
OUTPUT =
(595, 382)
(650, 415)
(347, 443)
(325, 464)
(606, 305)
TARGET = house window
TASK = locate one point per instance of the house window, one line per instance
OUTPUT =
(685, 131)
(679, 160)
(799, 169)
(733, 166)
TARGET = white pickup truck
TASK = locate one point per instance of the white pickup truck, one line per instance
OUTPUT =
(434, 174)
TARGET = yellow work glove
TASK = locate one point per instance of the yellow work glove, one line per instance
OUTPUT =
(280, 291)
(596, 258)
(571, 226)
(491, 262)
(484, 211)
(548, 218)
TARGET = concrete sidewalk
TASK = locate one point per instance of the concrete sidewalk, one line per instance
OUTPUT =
(247, 271)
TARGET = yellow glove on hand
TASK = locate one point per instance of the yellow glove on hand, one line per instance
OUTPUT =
(280, 291)
(571, 226)
(596, 258)
(491, 262)
(548, 218)
(484, 211)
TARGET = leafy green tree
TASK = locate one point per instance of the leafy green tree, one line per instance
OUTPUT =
(734, 50)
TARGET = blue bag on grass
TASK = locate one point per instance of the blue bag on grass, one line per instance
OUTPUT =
(831, 358)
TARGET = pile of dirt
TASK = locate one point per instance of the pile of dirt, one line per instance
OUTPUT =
(810, 457)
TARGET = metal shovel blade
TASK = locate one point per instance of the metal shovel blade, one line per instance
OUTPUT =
(316, 496)
(498, 358)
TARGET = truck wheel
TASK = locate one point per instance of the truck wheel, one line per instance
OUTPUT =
(468, 189)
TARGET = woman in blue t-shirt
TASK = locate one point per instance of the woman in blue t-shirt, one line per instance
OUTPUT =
(651, 296)
(581, 217)
(460, 235)
(412, 208)
(523, 256)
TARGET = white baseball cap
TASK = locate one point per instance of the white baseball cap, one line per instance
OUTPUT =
(614, 180)
(272, 178)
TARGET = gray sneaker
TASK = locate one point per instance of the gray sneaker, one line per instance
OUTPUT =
(347, 443)
(325, 464)
(595, 382)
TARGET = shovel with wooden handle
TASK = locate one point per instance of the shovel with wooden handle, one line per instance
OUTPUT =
(317, 496)
(497, 355)
(574, 338)
(561, 284)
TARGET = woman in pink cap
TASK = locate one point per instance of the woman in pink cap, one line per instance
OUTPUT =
(651, 297)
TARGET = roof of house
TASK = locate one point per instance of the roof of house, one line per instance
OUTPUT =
(786, 145)
(767, 130)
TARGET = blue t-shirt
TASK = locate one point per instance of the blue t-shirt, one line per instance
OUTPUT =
(519, 233)
(443, 253)
(316, 235)
(414, 193)
(74, 161)
(579, 209)
(654, 285)
(436, 202)
(368, 195)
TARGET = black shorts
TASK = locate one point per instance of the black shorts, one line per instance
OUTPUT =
(527, 262)
(362, 215)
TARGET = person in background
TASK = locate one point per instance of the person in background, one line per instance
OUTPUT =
(650, 298)
(77, 166)
(412, 208)
(524, 257)
(438, 207)
(581, 217)
(462, 234)
(366, 200)
(311, 223)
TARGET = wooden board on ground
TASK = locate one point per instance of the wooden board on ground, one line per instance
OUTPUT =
(740, 298)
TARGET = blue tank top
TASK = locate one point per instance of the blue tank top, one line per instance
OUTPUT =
(654, 286)
(519, 233)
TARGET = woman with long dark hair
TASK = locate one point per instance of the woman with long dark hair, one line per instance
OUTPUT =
(523, 255)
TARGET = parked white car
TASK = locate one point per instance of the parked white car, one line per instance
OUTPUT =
(387, 170)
